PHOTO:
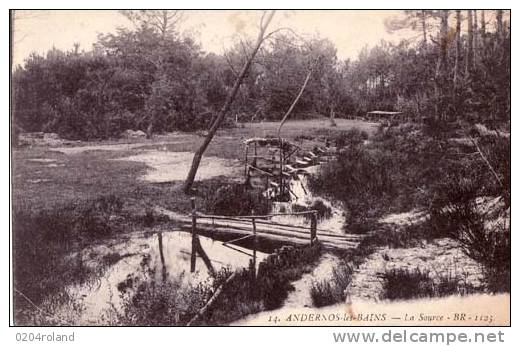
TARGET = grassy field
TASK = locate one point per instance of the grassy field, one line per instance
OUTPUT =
(44, 177)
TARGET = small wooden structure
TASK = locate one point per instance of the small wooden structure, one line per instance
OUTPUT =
(383, 115)
(266, 161)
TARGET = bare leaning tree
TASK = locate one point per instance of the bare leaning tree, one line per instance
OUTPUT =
(197, 157)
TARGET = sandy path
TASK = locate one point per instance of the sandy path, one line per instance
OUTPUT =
(299, 298)
(169, 166)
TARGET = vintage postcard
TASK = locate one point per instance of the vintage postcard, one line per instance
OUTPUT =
(260, 168)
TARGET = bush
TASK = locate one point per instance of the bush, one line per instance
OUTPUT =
(330, 291)
(235, 199)
(170, 302)
(352, 137)
(408, 284)
(323, 210)
(44, 240)
(247, 293)
(407, 237)
(457, 213)
(361, 180)
(160, 303)
(151, 218)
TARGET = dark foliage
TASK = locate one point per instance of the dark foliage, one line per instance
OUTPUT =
(331, 291)
(169, 303)
(247, 294)
(235, 199)
(408, 284)
(46, 244)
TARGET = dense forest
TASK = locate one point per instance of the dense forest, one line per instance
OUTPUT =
(156, 79)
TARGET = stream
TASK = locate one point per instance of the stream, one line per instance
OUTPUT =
(166, 253)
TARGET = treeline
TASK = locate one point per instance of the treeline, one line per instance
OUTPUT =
(153, 79)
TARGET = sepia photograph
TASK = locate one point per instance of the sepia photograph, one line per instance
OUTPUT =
(260, 167)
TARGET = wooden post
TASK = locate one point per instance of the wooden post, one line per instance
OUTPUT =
(254, 243)
(161, 254)
(193, 234)
(281, 168)
(245, 166)
(254, 161)
(273, 169)
(314, 224)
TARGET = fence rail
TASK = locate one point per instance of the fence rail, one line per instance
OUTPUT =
(253, 220)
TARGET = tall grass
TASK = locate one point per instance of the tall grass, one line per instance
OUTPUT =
(46, 249)
(234, 199)
(457, 214)
(171, 303)
(333, 290)
(403, 283)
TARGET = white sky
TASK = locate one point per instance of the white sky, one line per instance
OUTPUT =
(214, 30)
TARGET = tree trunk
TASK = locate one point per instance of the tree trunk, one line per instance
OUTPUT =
(500, 25)
(476, 39)
(469, 50)
(457, 50)
(440, 71)
(297, 96)
(149, 129)
(482, 24)
(332, 116)
(423, 23)
(227, 104)
(14, 129)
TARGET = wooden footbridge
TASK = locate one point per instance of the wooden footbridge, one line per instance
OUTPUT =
(235, 228)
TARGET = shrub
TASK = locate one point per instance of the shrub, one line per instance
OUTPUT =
(410, 236)
(361, 180)
(352, 137)
(248, 293)
(330, 291)
(405, 284)
(402, 283)
(170, 302)
(160, 303)
(457, 213)
(44, 240)
(323, 210)
(235, 199)
(151, 218)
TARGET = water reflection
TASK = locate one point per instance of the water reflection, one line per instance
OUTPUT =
(167, 256)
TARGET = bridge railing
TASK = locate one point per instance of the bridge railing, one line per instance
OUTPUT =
(253, 220)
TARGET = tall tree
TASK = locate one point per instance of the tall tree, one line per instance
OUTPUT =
(476, 39)
(440, 70)
(500, 24)
(264, 23)
(457, 49)
(417, 20)
(469, 48)
(163, 21)
(483, 23)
